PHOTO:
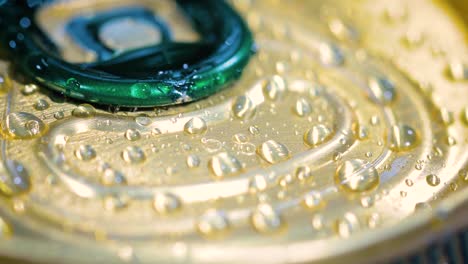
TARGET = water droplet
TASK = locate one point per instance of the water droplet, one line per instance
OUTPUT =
(258, 183)
(447, 116)
(274, 88)
(17, 181)
(140, 90)
(273, 151)
(382, 90)
(156, 131)
(73, 84)
(330, 55)
(356, 176)
(143, 120)
(116, 202)
(254, 130)
(413, 39)
(347, 225)
(312, 200)
(133, 154)
(112, 177)
(243, 107)
(458, 71)
(41, 104)
(362, 132)
(402, 137)
(24, 125)
(464, 116)
(165, 203)
(341, 30)
(195, 125)
(213, 223)
(302, 107)
(432, 180)
(59, 115)
(409, 182)
(224, 164)
(193, 161)
(266, 219)
(303, 173)
(317, 135)
(85, 153)
(84, 111)
(29, 89)
(451, 141)
(132, 134)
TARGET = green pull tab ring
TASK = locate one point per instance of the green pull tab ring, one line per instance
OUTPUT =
(168, 73)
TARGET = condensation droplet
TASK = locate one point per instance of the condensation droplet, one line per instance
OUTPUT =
(195, 125)
(317, 135)
(59, 115)
(17, 181)
(303, 173)
(41, 104)
(143, 120)
(213, 223)
(382, 90)
(85, 153)
(356, 176)
(347, 225)
(112, 177)
(224, 164)
(29, 89)
(447, 116)
(266, 219)
(432, 180)
(193, 161)
(458, 71)
(116, 202)
(274, 88)
(243, 107)
(273, 151)
(24, 125)
(132, 134)
(165, 203)
(402, 137)
(330, 55)
(84, 111)
(254, 130)
(302, 107)
(133, 154)
(312, 200)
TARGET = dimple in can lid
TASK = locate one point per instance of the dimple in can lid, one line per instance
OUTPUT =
(343, 136)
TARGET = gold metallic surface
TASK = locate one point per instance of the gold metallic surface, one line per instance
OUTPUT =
(345, 138)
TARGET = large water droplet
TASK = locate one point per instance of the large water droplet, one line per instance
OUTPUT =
(29, 89)
(317, 135)
(195, 125)
(224, 164)
(84, 111)
(24, 125)
(212, 223)
(402, 137)
(165, 203)
(85, 153)
(382, 90)
(133, 154)
(274, 88)
(356, 176)
(273, 152)
(243, 107)
(266, 219)
(193, 161)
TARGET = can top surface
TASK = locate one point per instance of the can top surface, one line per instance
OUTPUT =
(344, 136)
